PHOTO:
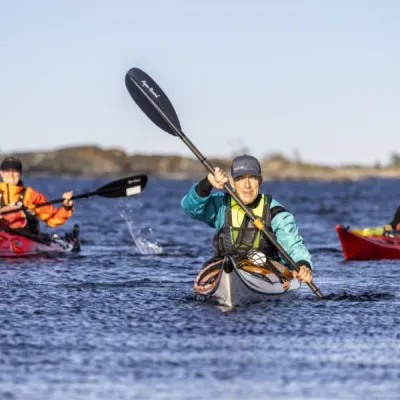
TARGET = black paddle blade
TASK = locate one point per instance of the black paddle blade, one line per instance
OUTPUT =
(123, 187)
(152, 100)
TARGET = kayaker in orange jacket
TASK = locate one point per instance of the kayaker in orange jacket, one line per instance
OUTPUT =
(14, 194)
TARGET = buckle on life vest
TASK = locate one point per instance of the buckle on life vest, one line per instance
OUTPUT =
(258, 224)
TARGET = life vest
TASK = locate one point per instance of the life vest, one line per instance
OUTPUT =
(24, 218)
(238, 234)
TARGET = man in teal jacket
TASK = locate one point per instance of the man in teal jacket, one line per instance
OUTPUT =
(235, 232)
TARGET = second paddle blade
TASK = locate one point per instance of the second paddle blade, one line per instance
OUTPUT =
(124, 187)
(141, 87)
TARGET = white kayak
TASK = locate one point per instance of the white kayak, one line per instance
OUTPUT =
(231, 284)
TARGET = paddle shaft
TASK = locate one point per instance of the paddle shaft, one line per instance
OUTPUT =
(60, 200)
(258, 223)
(98, 192)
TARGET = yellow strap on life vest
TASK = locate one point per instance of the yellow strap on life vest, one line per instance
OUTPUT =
(238, 214)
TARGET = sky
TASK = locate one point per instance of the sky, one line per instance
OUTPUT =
(320, 79)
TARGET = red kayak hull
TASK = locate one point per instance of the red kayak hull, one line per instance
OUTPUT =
(13, 244)
(357, 247)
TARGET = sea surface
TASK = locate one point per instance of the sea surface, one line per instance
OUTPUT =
(120, 321)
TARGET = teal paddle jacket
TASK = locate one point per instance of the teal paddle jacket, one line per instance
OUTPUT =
(211, 210)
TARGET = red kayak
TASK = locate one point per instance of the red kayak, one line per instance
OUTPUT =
(357, 247)
(20, 244)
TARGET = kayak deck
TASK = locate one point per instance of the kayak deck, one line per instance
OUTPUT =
(232, 284)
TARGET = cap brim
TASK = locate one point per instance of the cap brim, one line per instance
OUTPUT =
(246, 172)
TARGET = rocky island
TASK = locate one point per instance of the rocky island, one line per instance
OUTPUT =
(94, 161)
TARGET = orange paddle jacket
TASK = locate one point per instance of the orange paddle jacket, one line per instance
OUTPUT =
(18, 195)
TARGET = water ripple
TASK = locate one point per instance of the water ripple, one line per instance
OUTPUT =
(121, 321)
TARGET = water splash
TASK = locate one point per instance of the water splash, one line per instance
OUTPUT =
(143, 245)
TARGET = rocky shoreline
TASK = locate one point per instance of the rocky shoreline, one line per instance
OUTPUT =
(94, 161)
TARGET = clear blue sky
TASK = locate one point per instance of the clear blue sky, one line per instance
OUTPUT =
(322, 77)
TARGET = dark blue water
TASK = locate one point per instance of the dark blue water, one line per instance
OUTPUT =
(119, 321)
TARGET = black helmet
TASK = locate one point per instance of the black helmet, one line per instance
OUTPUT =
(11, 163)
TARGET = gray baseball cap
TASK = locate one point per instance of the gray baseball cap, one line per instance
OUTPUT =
(245, 165)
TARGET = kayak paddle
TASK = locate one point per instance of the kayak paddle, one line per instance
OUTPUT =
(120, 188)
(156, 105)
